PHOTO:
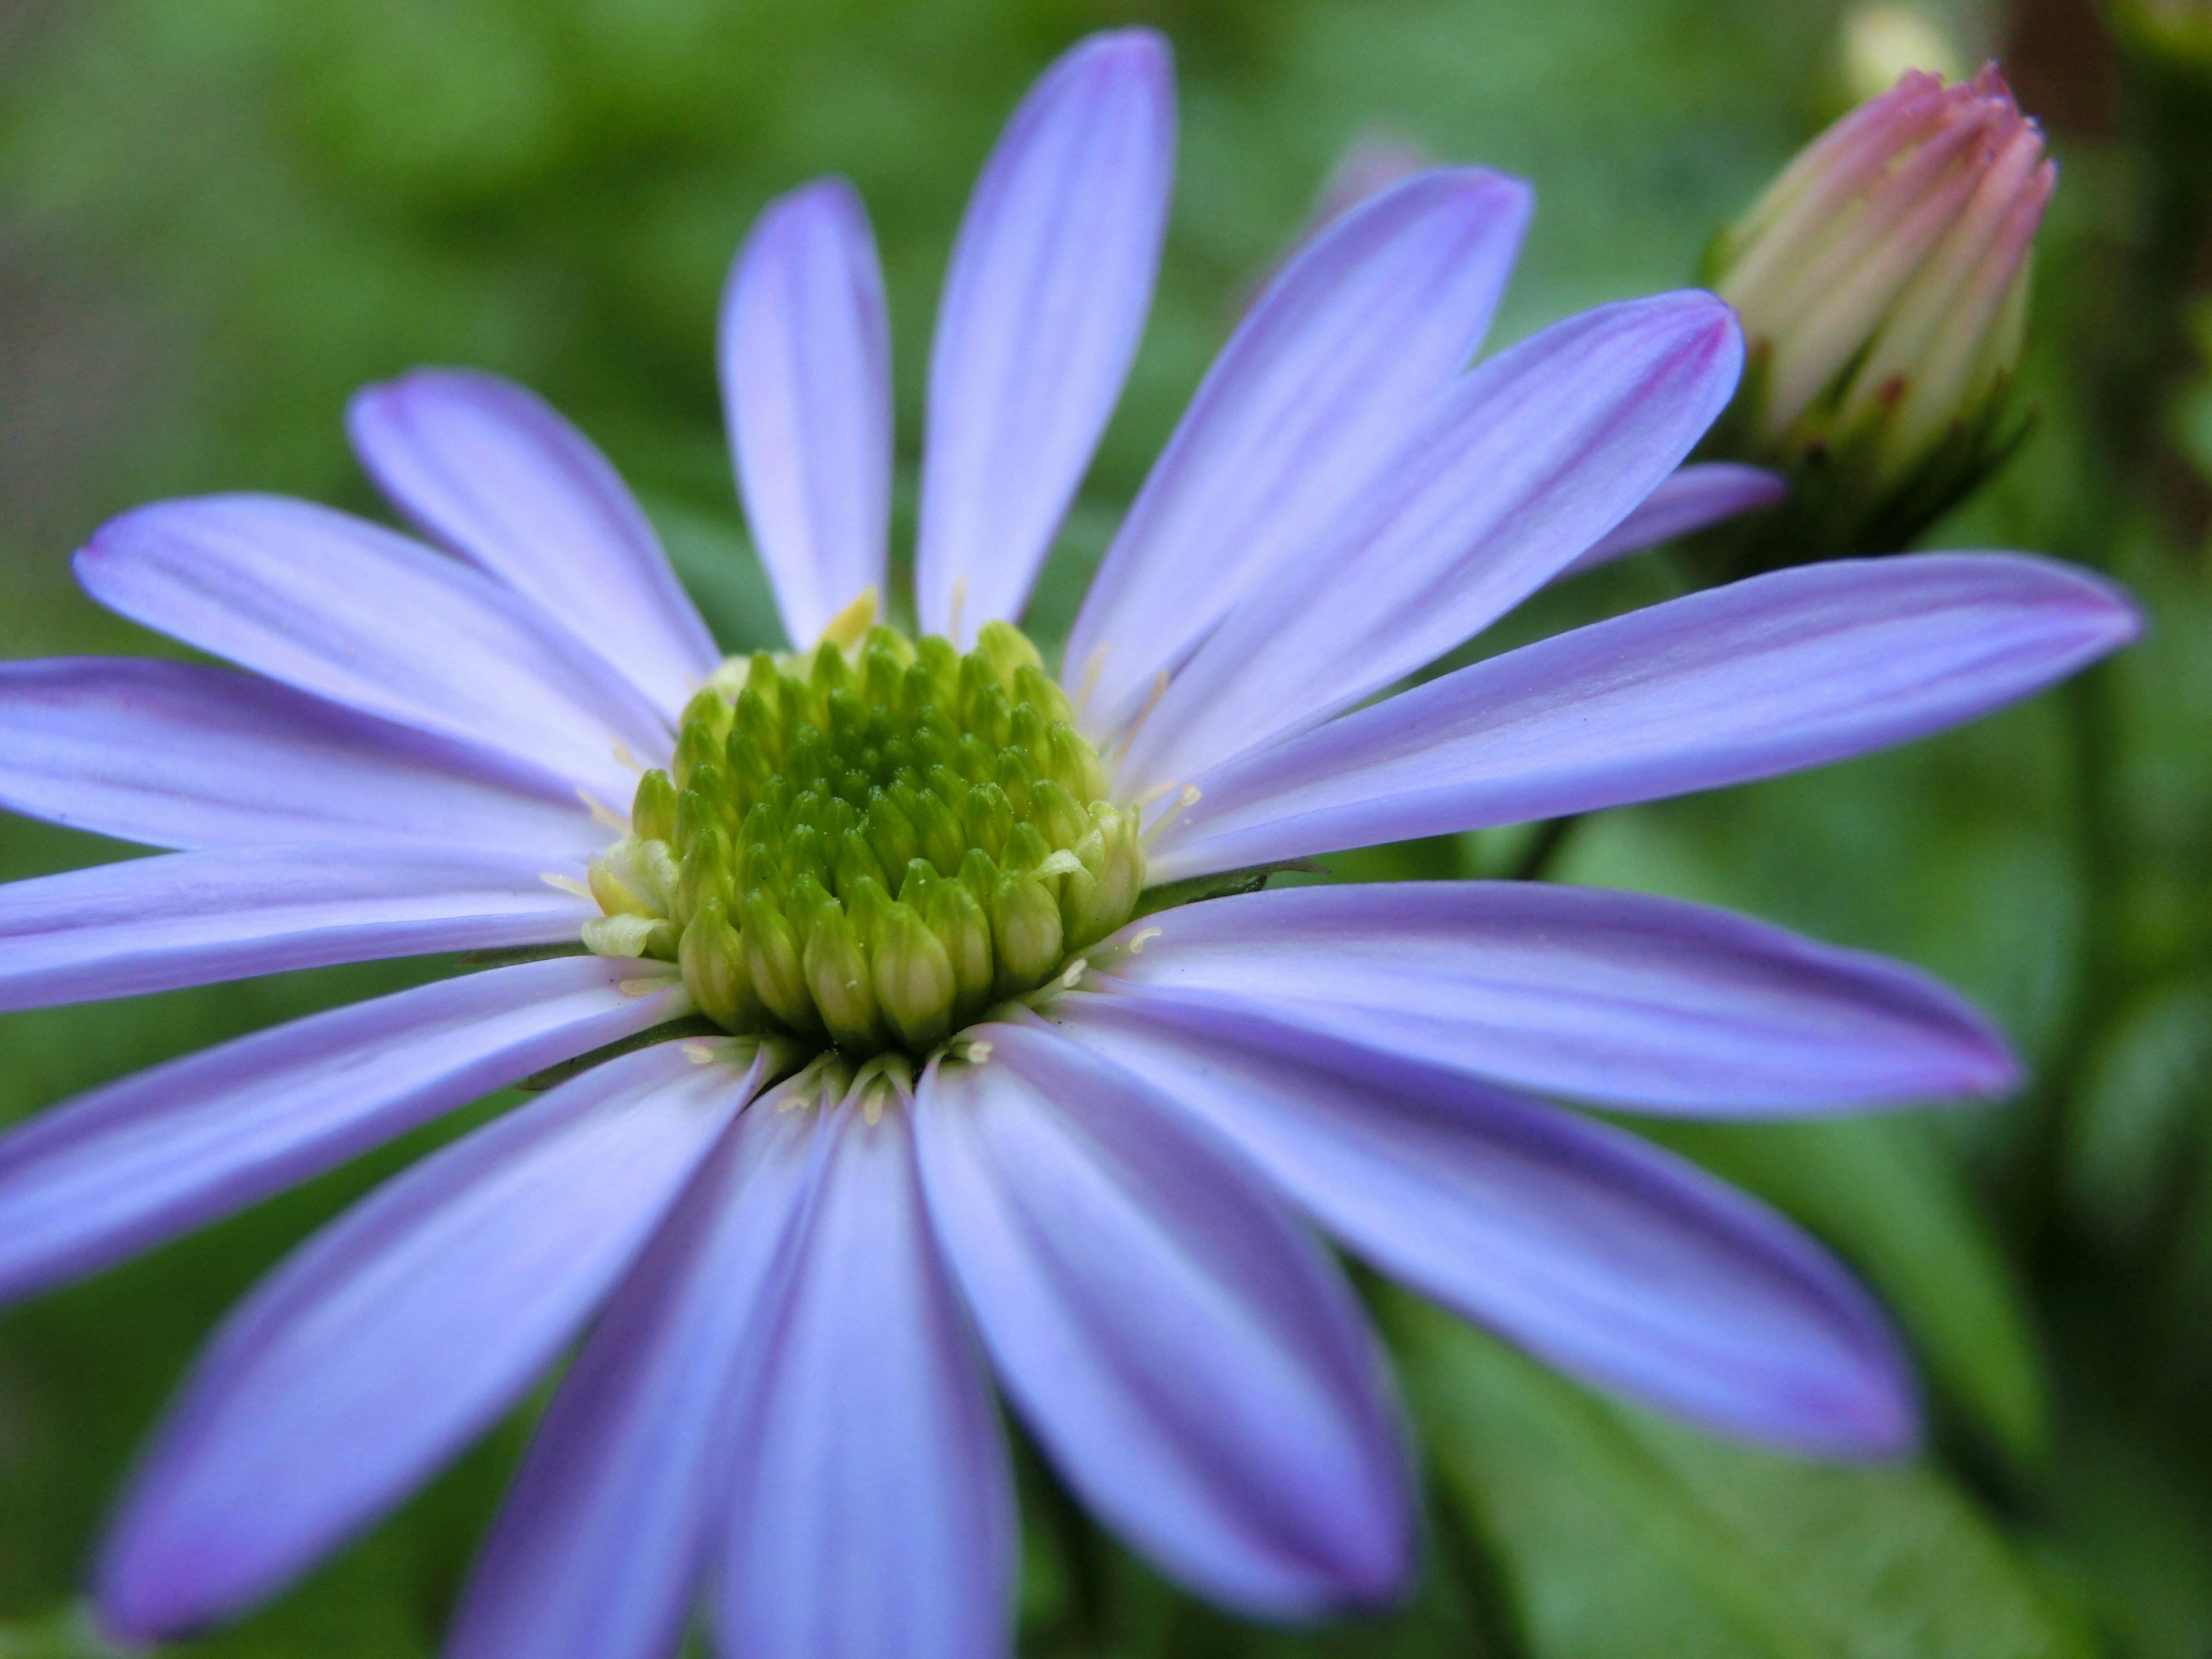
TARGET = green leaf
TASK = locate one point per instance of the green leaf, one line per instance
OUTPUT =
(1623, 1535)
(1883, 1191)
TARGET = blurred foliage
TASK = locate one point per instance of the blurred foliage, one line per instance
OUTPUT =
(217, 219)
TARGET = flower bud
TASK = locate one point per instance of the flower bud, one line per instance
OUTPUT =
(1026, 932)
(653, 810)
(915, 984)
(712, 957)
(773, 964)
(1882, 284)
(837, 973)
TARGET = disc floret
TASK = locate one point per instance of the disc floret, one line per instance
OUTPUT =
(867, 846)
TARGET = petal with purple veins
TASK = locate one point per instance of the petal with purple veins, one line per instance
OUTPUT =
(349, 610)
(1194, 1365)
(141, 925)
(807, 385)
(1519, 466)
(1314, 392)
(871, 1510)
(1645, 1002)
(400, 1333)
(173, 754)
(603, 1543)
(1623, 1265)
(1762, 676)
(491, 469)
(126, 1167)
(1691, 498)
(1046, 297)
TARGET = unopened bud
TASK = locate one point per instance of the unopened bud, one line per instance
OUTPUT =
(1882, 284)
(1026, 932)
(838, 975)
(712, 957)
(915, 986)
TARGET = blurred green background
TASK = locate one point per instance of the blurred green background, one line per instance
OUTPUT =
(218, 218)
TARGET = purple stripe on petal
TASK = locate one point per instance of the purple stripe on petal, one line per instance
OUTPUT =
(1763, 677)
(807, 384)
(1613, 997)
(1621, 1264)
(489, 468)
(1691, 498)
(1188, 1358)
(604, 1540)
(401, 1331)
(173, 754)
(1316, 390)
(120, 930)
(344, 609)
(1522, 464)
(1051, 280)
(871, 1513)
(122, 1168)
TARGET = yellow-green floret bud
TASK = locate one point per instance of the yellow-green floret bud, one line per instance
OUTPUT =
(867, 843)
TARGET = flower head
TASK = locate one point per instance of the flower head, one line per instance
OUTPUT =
(904, 1073)
(1882, 282)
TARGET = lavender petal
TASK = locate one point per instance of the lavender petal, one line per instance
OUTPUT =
(126, 1167)
(1619, 1263)
(173, 754)
(397, 1335)
(1196, 1368)
(871, 1514)
(1691, 498)
(1050, 281)
(1639, 1002)
(342, 609)
(1314, 393)
(1520, 465)
(1763, 677)
(807, 384)
(118, 930)
(603, 1541)
(489, 468)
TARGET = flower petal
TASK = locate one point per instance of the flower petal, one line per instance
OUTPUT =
(1189, 1360)
(401, 1331)
(118, 1170)
(339, 607)
(121, 930)
(603, 1540)
(1520, 465)
(1315, 390)
(1762, 676)
(872, 1515)
(1617, 1262)
(173, 754)
(1043, 305)
(1613, 997)
(1691, 498)
(807, 384)
(489, 469)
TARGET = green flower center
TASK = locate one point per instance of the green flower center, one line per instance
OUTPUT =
(867, 846)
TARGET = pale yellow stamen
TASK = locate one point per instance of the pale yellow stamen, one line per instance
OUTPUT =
(850, 626)
(602, 814)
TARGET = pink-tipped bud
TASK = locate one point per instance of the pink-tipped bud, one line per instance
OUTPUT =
(1882, 282)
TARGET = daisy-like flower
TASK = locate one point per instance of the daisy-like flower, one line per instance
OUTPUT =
(917, 1086)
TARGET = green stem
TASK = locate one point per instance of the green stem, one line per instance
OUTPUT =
(1544, 848)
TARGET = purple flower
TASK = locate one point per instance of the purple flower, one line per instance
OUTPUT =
(799, 1248)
